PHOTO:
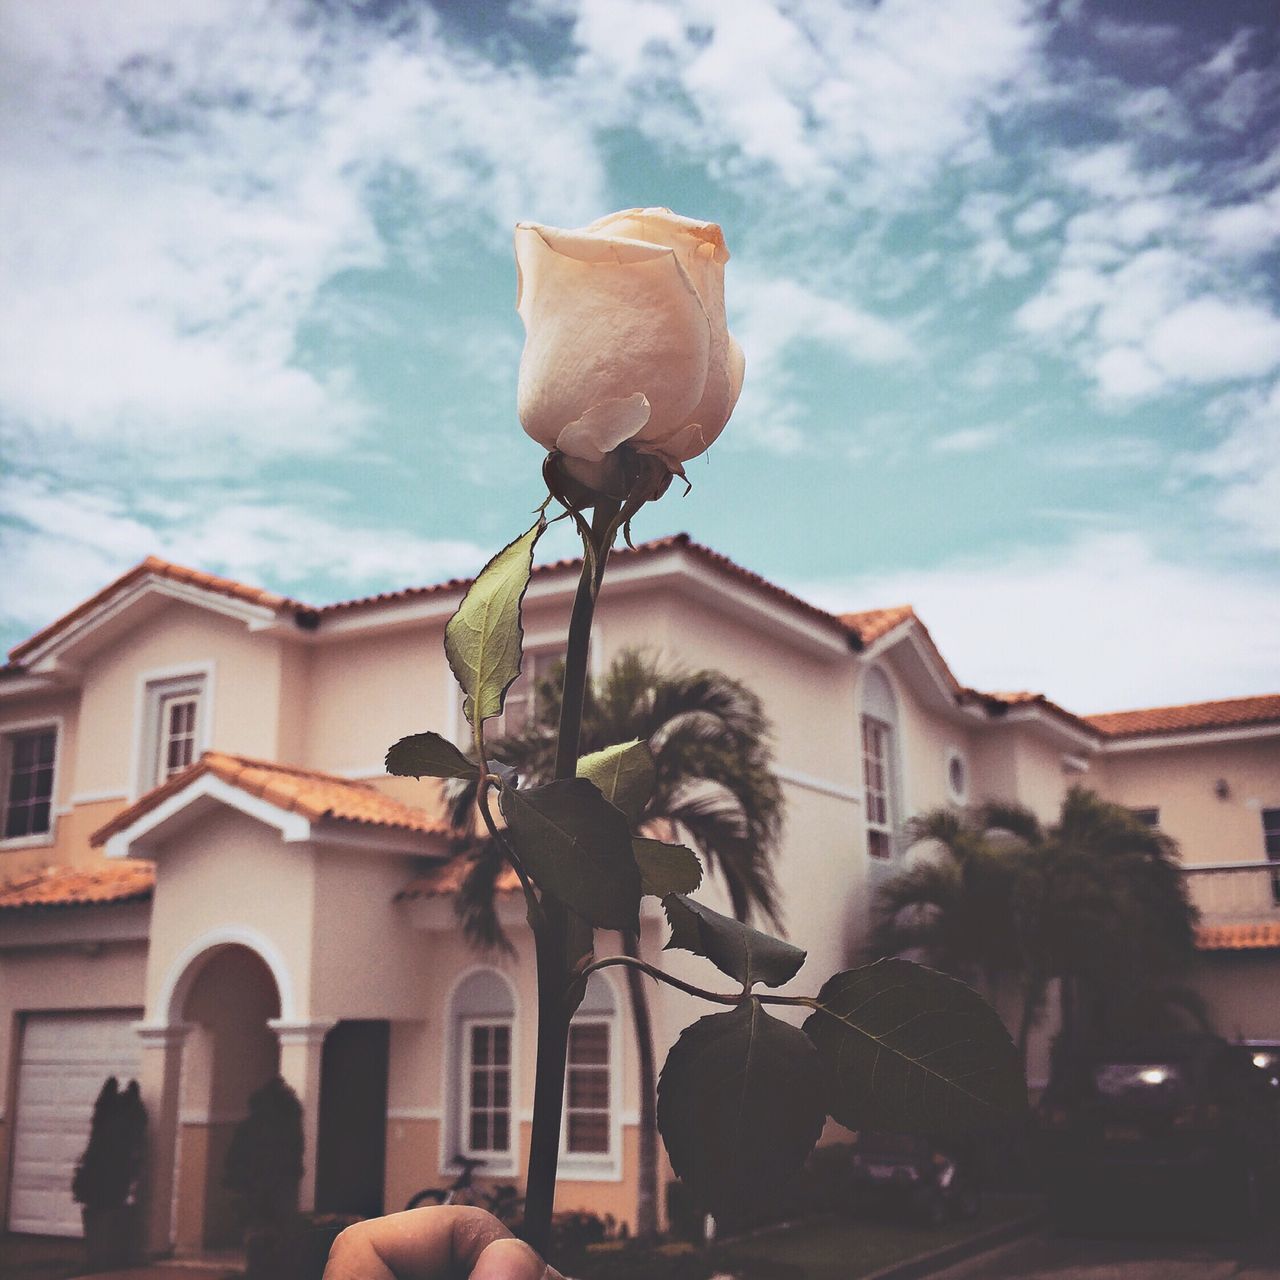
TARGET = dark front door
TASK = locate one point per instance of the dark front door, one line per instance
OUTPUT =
(353, 1118)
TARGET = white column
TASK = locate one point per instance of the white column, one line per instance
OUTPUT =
(159, 1079)
(301, 1050)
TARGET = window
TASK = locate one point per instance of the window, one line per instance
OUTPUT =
(28, 761)
(177, 734)
(480, 1118)
(522, 698)
(487, 1108)
(957, 777)
(1271, 844)
(876, 737)
(175, 729)
(587, 1117)
(1149, 816)
(591, 1135)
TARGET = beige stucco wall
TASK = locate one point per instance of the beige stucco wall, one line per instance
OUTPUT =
(1242, 992)
(230, 872)
(1180, 781)
(246, 687)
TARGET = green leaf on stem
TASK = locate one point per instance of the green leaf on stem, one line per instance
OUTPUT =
(428, 755)
(483, 638)
(740, 1106)
(912, 1050)
(734, 948)
(577, 846)
(624, 774)
(666, 868)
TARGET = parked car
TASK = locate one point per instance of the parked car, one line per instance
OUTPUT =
(928, 1180)
(1185, 1126)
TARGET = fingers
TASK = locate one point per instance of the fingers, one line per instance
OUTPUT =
(450, 1242)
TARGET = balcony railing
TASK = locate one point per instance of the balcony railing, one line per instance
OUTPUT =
(1227, 892)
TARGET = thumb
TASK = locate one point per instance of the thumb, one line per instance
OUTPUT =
(511, 1260)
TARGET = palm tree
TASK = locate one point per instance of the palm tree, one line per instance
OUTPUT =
(715, 789)
(1096, 901)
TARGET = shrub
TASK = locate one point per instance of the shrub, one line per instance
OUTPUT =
(264, 1162)
(108, 1172)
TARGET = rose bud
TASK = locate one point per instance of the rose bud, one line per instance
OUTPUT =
(625, 340)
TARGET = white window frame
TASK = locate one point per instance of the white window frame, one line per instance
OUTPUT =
(884, 758)
(494, 1157)
(155, 689)
(601, 1166)
(7, 732)
(593, 1020)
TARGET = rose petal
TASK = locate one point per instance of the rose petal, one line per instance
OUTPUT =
(604, 427)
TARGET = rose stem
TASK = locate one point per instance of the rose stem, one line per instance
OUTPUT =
(554, 963)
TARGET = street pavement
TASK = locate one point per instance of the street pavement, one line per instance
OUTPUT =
(1052, 1257)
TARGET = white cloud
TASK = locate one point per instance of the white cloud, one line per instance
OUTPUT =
(61, 545)
(867, 99)
(777, 318)
(1037, 217)
(1152, 289)
(966, 440)
(1101, 624)
(1246, 463)
(179, 183)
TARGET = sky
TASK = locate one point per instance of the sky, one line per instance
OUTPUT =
(1006, 273)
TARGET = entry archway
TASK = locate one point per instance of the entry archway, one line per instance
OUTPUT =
(226, 1000)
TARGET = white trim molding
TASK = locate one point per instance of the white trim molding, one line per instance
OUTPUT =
(307, 1031)
(415, 1113)
(837, 790)
(1190, 738)
(182, 971)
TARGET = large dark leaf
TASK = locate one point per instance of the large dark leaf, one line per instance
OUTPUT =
(666, 868)
(911, 1050)
(576, 845)
(740, 1106)
(428, 755)
(624, 774)
(733, 947)
(483, 638)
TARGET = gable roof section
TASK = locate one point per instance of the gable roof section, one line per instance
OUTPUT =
(1229, 713)
(311, 795)
(870, 624)
(106, 885)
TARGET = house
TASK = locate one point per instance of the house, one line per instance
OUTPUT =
(205, 876)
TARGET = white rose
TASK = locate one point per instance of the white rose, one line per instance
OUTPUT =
(626, 339)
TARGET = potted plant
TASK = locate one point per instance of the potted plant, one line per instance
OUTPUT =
(263, 1170)
(106, 1179)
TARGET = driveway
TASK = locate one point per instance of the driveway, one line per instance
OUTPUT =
(1050, 1257)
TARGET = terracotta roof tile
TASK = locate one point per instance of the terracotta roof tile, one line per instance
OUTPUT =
(113, 882)
(308, 792)
(1238, 937)
(1229, 713)
(622, 555)
(445, 880)
(153, 566)
(870, 624)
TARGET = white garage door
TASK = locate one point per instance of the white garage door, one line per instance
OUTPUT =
(65, 1058)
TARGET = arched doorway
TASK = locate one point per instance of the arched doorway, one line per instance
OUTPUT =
(229, 995)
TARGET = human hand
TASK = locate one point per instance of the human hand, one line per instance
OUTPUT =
(442, 1242)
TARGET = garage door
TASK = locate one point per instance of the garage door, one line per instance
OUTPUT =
(64, 1060)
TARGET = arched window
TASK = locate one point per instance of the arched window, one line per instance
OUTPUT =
(481, 1123)
(879, 763)
(591, 1136)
